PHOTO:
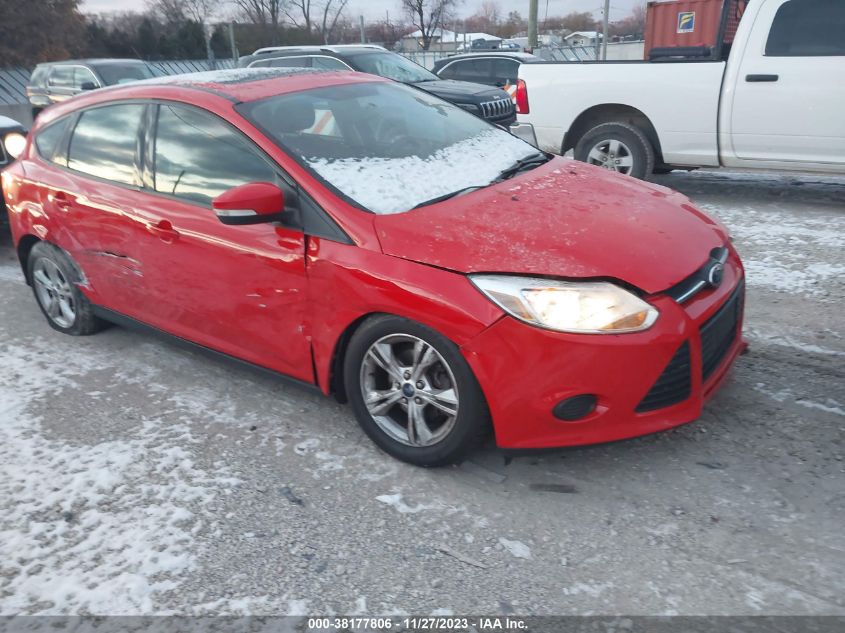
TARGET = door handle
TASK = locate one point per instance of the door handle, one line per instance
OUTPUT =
(164, 231)
(757, 79)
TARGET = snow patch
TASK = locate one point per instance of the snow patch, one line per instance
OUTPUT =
(393, 185)
(516, 548)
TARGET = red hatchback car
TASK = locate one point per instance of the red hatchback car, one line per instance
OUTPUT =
(375, 242)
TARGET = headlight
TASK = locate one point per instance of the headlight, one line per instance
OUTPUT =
(593, 307)
(15, 142)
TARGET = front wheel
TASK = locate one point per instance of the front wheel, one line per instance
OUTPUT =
(413, 393)
(619, 147)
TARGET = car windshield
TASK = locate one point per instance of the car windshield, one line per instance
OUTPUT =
(387, 147)
(122, 73)
(392, 66)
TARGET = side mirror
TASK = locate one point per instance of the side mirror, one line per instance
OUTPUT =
(252, 203)
(88, 85)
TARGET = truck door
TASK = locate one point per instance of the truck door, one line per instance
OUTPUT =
(790, 85)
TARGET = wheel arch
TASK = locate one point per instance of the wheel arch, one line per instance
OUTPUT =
(25, 245)
(335, 384)
(611, 113)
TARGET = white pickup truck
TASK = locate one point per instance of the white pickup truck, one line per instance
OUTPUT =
(778, 102)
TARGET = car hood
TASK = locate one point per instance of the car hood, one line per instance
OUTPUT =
(563, 219)
(450, 90)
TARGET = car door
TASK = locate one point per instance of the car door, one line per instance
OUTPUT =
(790, 86)
(240, 290)
(96, 199)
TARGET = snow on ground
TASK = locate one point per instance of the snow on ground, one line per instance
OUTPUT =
(97, 528)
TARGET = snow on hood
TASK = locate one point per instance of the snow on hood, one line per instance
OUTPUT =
(393, 185)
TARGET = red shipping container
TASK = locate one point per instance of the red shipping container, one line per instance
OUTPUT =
(690, 23)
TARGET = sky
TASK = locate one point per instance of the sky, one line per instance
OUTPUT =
(376, 9)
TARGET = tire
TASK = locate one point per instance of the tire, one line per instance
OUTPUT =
(442, 437)
(608, 143)
(54, 279)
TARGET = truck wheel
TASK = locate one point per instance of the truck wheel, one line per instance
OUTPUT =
(619, 147)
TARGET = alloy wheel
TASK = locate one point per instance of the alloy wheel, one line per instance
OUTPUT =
(409, 390)
(612, 154)
(54, 292)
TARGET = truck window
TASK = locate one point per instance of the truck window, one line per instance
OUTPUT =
(808, 28)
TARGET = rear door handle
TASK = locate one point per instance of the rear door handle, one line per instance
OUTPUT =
(757, 79)
(164, 231)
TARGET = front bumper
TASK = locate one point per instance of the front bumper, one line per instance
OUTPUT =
(525, 131)
(525, 371)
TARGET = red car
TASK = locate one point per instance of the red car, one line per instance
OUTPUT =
(372, 241)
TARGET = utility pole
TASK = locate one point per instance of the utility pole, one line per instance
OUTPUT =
(232, 42)
(605, 27)
(361, 22)
(532, 23)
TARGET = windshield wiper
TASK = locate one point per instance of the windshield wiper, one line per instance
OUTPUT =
(523, 164)
(446, 196)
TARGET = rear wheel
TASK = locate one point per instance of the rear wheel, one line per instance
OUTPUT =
(413, 393)
(618, 147)
(53, 277)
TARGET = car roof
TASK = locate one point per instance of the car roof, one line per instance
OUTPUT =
(523, 57)
(84, 62)
(346, 49)
(236, 85)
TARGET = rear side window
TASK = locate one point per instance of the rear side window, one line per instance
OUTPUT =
(505, 72)
(477, 70)
(39, 75)
(47, 141)
(198, 156)
(808, 28)
(105, 142)
(283, 62)
(328, 63)
(62, 77)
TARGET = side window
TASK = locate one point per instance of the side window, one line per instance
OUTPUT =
(81, 76)
(198, 156)
(61, 77)
(478, 70)
(283, 62)
(39, 75)
(455, 70)
(47, 140)
(505, 72)
(328, 63)
(104, 142)
(808, 28)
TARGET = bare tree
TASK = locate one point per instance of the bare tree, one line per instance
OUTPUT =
(322, 15)
(173, 11)
(428, 16)
(332, 11)
(266, 13)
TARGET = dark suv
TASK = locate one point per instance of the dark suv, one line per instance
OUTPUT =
(491, 104)
(56, 81)
(494, 68)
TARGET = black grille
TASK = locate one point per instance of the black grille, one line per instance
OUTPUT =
(674, 384)
(720, 332)
(498, 109)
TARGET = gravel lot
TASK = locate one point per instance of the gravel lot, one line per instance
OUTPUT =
(136, 477)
